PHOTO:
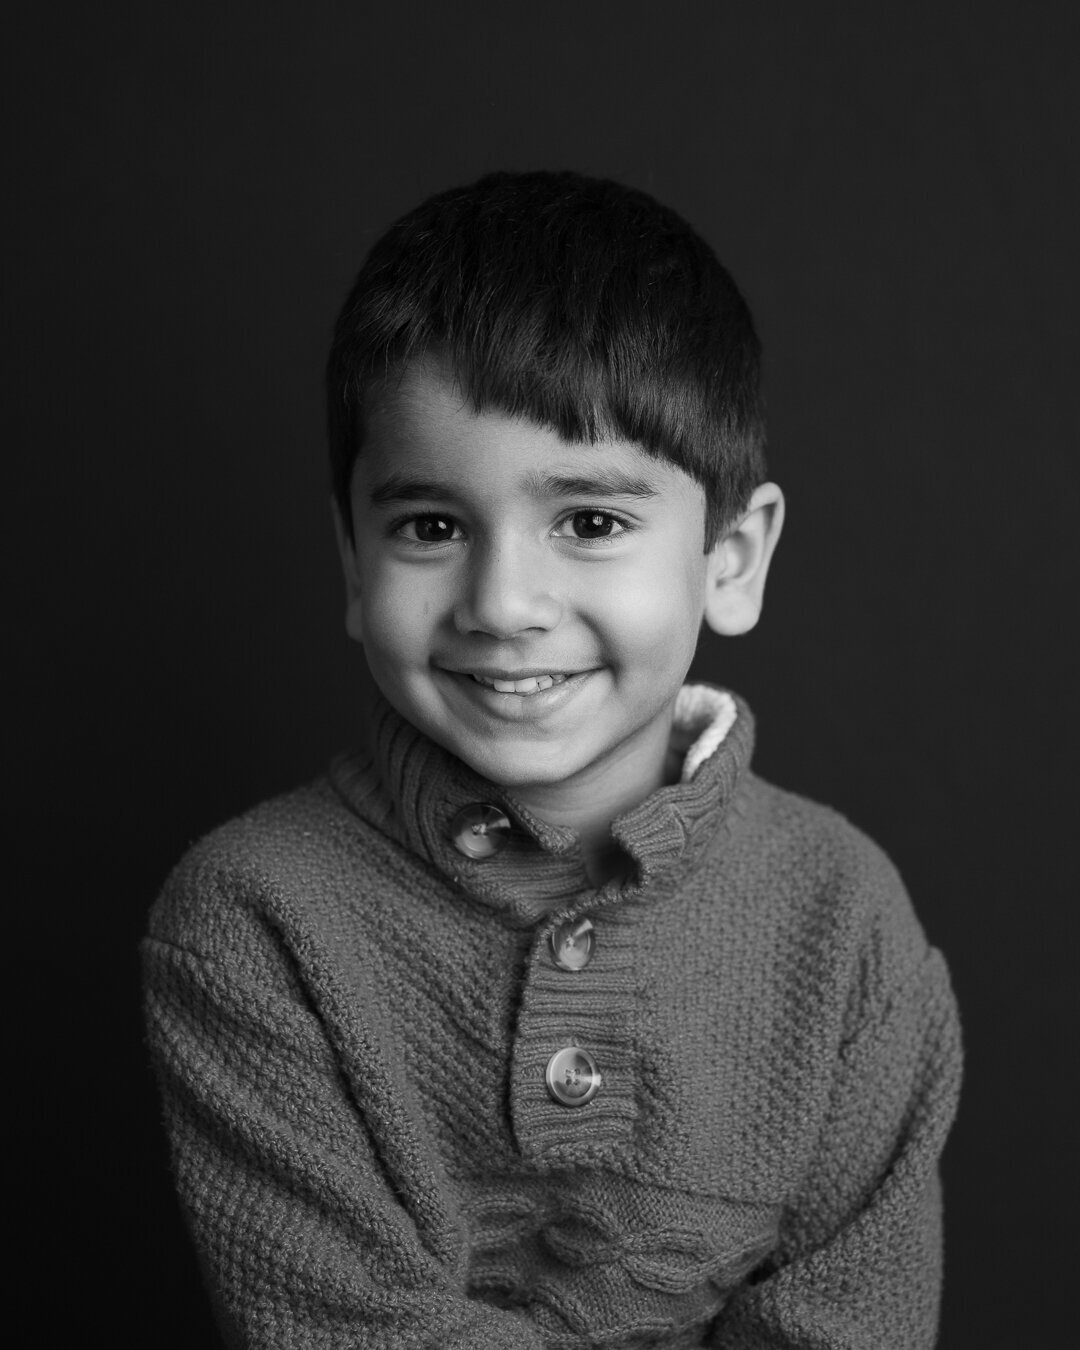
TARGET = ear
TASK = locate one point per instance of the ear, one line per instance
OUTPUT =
(739, 563)
(354, 613)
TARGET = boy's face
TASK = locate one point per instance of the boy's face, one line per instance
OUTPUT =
(532, 606)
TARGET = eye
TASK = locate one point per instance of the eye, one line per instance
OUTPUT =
(433, 529)
(593, 525)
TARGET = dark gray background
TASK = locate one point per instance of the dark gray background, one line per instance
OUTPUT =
(892, 186)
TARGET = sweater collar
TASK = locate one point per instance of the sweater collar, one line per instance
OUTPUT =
(412, 790)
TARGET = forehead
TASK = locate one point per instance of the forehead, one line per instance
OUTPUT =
(423, 429)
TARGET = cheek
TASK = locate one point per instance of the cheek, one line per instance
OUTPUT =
(654, 617)
(395, 614)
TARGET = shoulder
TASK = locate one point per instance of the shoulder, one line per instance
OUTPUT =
(300, 851)
(798, 832)
(830, 886)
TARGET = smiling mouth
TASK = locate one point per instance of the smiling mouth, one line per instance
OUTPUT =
(531, 684)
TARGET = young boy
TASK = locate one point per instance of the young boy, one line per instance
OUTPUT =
(546, 1023)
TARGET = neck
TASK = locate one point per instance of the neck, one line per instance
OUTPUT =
(588, 808)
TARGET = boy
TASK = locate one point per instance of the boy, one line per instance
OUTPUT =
(546, 1022)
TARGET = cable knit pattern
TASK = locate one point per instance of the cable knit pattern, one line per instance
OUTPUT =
(351, 1022)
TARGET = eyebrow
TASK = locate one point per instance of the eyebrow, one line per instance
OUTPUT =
(604, 483)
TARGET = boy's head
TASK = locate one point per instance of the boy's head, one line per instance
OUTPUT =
(547, 453)
(578, 303)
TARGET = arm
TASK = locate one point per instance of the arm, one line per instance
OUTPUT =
(292, 1195)
(859, 1264)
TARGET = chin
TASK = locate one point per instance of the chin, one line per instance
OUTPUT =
(520, 768)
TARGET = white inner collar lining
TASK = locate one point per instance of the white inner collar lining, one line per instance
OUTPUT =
(703, 718)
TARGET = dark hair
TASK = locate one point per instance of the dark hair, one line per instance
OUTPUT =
(577, 302)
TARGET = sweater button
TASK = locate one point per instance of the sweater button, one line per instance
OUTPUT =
(572, 1076)
(480, 831)
(572, 944)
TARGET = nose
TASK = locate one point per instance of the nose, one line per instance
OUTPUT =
(506, 591)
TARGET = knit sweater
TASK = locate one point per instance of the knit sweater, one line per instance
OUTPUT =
(352, 1021)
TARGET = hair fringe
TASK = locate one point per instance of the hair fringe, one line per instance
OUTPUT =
(579, 303)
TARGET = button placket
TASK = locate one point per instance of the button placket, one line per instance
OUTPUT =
(576, 1044)
(571, 1074)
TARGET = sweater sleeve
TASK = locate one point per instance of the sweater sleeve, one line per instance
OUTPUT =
(859, 1261)
(303, 1230)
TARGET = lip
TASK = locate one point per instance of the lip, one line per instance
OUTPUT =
(502, 673)
(526, 705)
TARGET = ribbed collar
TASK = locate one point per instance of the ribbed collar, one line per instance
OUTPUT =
(411, 789)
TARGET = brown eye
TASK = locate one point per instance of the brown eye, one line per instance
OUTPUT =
(433, 529)
(593, 524)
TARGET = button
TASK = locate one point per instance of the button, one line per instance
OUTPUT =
(480, 831)
(572, 1076)
(572, 944)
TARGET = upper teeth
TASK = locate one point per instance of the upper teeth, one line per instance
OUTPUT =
(530, 685)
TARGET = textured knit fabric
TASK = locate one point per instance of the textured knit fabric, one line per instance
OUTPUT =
(351, 1023)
